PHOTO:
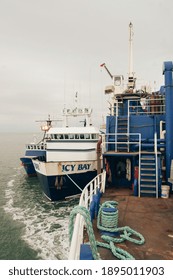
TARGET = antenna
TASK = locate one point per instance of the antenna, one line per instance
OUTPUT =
(131, 79)
(48, 124)
(76, 98)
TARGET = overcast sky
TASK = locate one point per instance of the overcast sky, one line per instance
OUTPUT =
(50, 49)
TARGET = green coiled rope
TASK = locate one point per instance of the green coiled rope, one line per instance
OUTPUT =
(86, 215)
(117, 252)
(127, 232)
(109, 220)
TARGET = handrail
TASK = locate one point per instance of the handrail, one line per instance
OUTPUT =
(139, 169)
(152, 106)
(85, 199)
(40, 146)
(116, 126)
(138, 142)
(128, 128)
(156, 160)
(106, 143)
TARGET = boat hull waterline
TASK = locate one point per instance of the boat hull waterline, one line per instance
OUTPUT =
(61, 179)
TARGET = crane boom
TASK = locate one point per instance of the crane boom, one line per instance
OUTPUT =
(104, 65)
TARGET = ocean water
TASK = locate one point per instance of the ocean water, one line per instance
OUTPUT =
(31, 227)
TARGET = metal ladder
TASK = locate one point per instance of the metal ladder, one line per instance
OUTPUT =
(122, 134)
(148, 184)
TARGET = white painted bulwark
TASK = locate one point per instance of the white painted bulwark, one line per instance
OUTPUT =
(63, 168)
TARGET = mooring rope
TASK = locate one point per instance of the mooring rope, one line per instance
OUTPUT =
(86, 215)
(117, 252)
(125, 232)
(108, 218)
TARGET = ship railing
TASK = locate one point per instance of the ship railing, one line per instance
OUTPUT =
(110, 142)
(40, 146)
(110, 145)
(156, 161)
(150, 106)
(98, 183)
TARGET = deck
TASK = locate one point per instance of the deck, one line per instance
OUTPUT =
(152, 217)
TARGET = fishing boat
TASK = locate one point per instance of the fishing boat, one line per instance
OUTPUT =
(35, 149)
(71, 156)
(137, 152)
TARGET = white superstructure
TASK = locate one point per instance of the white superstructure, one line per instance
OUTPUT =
(72, 143)
(70, 150)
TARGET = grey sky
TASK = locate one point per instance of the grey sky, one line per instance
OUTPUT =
(49, 49)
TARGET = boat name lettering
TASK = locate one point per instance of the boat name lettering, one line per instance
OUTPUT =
(68, 167)
(73, 167)
(84, 166)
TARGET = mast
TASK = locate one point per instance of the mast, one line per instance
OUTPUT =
(131, 79)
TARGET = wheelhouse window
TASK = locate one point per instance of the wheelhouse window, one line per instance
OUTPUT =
(58, 136)
(87, 136)
(76, 136)
(93, 136)
(73, 136)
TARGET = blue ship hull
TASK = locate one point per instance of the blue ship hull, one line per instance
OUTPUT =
(58, 187)
(27, 161)
(28, 166)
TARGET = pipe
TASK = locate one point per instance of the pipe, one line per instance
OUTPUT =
(146, 140)
(147, 145)
(167, 71)
(99, 155)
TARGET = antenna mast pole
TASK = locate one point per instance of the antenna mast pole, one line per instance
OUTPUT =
(131, 79)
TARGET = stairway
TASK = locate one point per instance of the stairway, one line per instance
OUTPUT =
(148, 177)
(122, 130)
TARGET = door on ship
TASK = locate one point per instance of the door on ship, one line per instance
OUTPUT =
(121, 172)
(118, 171)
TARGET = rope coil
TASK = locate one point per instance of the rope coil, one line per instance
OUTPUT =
(108, 215)
(107, 225)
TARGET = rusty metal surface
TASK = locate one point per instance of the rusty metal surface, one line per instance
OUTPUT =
(152, 217)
